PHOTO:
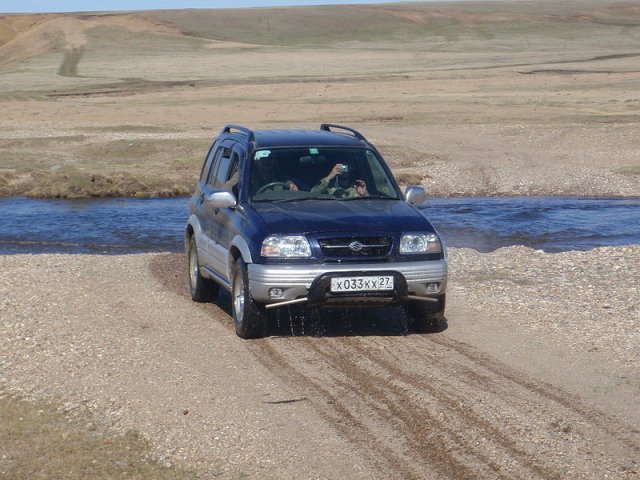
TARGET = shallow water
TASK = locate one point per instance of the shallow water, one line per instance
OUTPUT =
(114, 226)
(105, 226)
(552, 224)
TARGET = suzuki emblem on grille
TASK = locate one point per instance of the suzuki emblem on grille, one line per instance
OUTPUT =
(356, 246)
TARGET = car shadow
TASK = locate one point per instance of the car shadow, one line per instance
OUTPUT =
(295, 321)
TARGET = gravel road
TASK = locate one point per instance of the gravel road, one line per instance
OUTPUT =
(534, 374)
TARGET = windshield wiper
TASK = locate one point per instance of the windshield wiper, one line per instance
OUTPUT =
(368, 197)
(307, 197)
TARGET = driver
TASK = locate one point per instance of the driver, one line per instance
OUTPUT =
(265, 172)
(340, 187)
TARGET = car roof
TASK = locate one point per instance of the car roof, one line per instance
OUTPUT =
(305, 138)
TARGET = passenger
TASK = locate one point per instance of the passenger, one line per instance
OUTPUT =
(341, 187)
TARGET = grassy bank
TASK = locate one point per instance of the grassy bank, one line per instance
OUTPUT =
(45, 440)
(84, 166)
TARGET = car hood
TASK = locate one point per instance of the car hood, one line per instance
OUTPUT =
(360, 216)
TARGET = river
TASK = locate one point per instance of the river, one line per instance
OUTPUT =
(127, 225)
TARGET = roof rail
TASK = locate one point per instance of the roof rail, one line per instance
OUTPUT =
(328, 126)
(246, 131)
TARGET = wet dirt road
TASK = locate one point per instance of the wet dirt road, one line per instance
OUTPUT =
(433, 406)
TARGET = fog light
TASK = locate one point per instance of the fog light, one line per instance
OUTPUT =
(433, 287)
(276, 292)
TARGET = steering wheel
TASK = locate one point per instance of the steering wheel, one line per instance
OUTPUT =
(269, 186)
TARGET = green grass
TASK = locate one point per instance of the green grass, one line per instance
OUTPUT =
(41, 440)
(507, 25)
(283, 26)
(68, 167)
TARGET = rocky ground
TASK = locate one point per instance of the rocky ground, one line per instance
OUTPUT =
(535, 374)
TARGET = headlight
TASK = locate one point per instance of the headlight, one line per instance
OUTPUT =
(290, 246)
(420, 243)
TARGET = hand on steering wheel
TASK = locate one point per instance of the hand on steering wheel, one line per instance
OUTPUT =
(271, 185)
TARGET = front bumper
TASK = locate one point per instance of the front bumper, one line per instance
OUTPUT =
(310, 281)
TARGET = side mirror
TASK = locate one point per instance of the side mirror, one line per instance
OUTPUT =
(222, 199)
(414, 194)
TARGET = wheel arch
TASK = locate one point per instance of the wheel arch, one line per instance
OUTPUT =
(238, 249)
(192, 229)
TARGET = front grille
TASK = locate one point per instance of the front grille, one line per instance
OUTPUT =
(355, 246)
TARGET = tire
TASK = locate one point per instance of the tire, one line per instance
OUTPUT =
(425, 317)
(201, 289)
(248, 315)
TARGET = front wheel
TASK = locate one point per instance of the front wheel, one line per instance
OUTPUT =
(248, 315)
(201, 289)
(425, 317)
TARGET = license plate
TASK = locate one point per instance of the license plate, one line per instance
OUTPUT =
(362, 284)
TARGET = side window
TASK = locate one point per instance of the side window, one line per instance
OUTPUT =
(380, 180)
(235, 164)
(224, 166)
(233, 176)
(208, 163)
(211, 176)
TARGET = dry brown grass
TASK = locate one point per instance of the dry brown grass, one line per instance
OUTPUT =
(77, 166)
(44, 440)
(138, 105)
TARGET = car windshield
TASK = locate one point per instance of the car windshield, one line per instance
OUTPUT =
(327, 173)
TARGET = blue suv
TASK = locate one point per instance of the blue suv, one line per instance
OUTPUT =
(311, 218)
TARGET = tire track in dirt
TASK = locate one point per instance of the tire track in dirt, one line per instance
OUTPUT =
(407, 388)
(607, 423)
(432, 419)
(396, 406)
(333, 410)
(586, 429)
(428, 406)
(387, 416)
(453, 401)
